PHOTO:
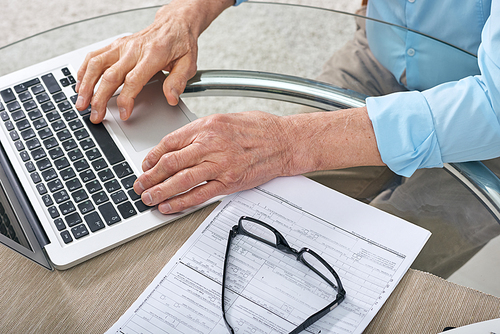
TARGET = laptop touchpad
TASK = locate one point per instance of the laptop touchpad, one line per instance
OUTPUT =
(151, 119)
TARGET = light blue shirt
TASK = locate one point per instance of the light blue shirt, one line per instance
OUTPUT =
(452, 112)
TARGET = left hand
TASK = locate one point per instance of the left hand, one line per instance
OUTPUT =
(230, 152)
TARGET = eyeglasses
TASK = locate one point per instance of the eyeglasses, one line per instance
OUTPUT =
(265, 233)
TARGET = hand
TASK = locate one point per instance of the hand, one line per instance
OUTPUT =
(169, 44)
(229, 152)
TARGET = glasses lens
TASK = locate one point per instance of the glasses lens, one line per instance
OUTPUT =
(258, 230)
(320, 269)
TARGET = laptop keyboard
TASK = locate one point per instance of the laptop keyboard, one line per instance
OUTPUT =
(80, 174)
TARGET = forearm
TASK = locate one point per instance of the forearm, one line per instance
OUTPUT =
(331, 140)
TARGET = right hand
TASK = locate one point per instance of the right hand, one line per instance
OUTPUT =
(169, 43)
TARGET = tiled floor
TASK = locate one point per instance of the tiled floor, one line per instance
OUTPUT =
(23, 18)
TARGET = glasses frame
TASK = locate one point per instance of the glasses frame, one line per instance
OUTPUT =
(282, 245)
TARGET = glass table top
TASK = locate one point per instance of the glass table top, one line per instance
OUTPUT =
(282, 39)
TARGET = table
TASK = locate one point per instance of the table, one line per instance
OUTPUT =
(90, 297)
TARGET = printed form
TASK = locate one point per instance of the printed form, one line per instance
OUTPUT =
(269, 291)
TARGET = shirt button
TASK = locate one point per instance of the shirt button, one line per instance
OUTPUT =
(410, 52)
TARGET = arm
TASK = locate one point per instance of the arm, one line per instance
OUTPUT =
(169, 43)
(234, 152)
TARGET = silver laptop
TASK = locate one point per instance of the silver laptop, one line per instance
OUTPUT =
(66, 184)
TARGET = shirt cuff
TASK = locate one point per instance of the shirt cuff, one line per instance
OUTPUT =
(238, 2)
(405, 133)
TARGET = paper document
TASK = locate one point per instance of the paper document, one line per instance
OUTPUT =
(271, 291)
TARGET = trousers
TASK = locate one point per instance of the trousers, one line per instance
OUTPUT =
(430, 198)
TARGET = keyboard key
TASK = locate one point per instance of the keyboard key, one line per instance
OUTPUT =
(93, 154)
(34, 114)
(60, 196)
(81, 165)
(51, 83)
(35, 177)
(99, 164)
(19, 145)
(37, 89)
(22, 124)
(105, 175)
(55, 185)
(4, 116)
(17, 115)
(109, 213)
(42, 98)
(79, 231)
(87, 144)
(73, 184)
(75, 125)
(40, 123)
(2, 108)
(49, 174)
(24, 156)
(81, 134)
(112, 186)
(94, 222)
(32, 144)
(38, 154)
(68, 116)
(93, 186)
(141, 207)
(46, 133)
(106, 143)
(59, 224)
(67, 174)
(28, 105)
(58, 125)
(87, 176)
(41, 189)
(133, 195)
(48, 143)
(64, 82)
(61, 163)
(119, 197)
(9, 126)
(58, 97)
(53, 212)
(64, 106)
(56, 153)
(24, 86)
(13, 106)
(47, 200)
(46, 107)
(73, 219)
(100, 197)
(75, 154)
(28, 134)
(122, 170)
(127, 210)
(53, 116)
(25, 96)
(69, 145)
(14, 135)
(79, 195)
(63, 135)
(43, 164)
(66, 237)
(30, 166)
(7, 95)
(71, 80)
(67, 208)
(128, 182)
(86, 207)
(65, 71)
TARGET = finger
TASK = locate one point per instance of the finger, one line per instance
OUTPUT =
(83, 67)
(169, 164)
(95, 68)
(182, 71)
(196, 196)
(179, 183)
(112, 78)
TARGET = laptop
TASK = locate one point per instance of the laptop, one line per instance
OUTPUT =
(66, 184)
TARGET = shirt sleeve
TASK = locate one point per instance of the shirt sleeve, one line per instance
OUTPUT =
(238, 2)
(452, 122)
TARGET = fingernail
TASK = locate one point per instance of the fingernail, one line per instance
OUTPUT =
(164, 207)
(146, 165)
(93, 115)
(140, 186)
(175, 93)
(79, 102)
(123, 113)
(146, 198)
